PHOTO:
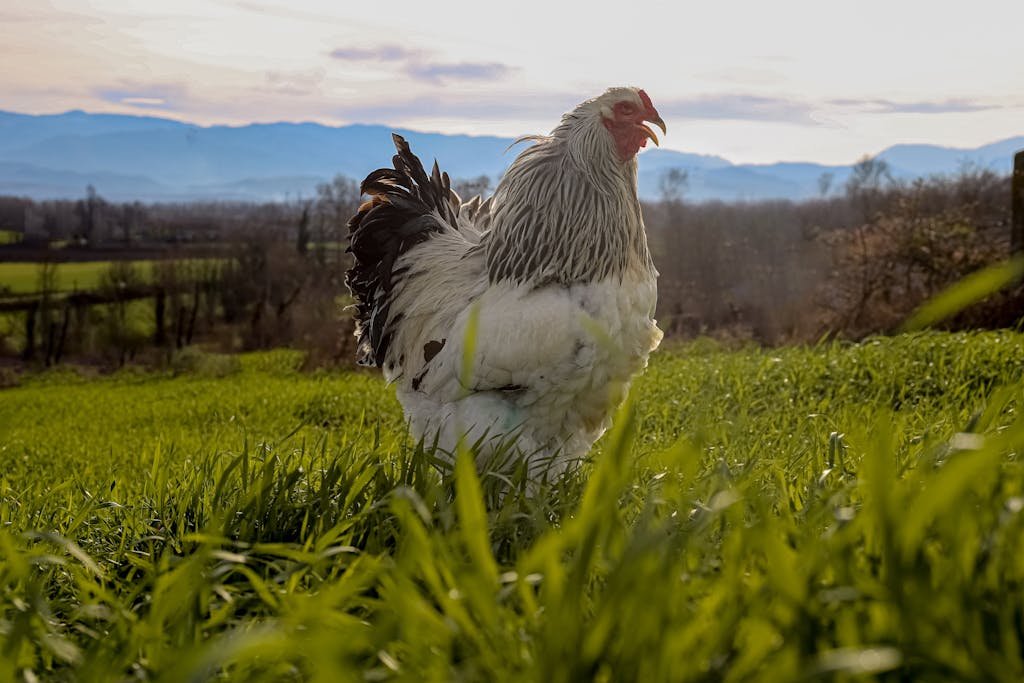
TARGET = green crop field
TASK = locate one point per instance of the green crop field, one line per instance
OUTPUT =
(844, 512)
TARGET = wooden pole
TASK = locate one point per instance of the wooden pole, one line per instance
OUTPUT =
(192, 316)
(63, 334)
(51, 341)
(30, 331)
(159, 315)
(1017, 231)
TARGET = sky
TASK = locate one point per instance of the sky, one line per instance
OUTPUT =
(754, 81)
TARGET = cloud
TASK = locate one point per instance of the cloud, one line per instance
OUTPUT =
(463, 71)
(416, 66)
(737, 107)
(479, 106)
(746, 107)
(144, 101)
(42, 14)
(883, 106)
(381, 53)
(297, 83)
(287, 11)
(144, 95)
(9, 15)
(549, 106)
(743, 76)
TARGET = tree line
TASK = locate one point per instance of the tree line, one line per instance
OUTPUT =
(849, 264)
(93, 222)
(267, 275)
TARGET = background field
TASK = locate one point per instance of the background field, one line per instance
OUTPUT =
(23, 278)
(834, 513)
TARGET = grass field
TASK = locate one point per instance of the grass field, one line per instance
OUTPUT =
(845, 512)
(23, 278)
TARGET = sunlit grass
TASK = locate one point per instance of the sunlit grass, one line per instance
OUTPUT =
(24, 278)
(828, 513)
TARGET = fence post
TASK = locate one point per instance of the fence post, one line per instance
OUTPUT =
(51, 341)
(179, 328)
(1017, 221)
(30, 331)
(159, 316)
(192, 317)
(63, 334)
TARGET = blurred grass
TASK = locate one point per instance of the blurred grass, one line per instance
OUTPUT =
(23, 278)
(843, 512)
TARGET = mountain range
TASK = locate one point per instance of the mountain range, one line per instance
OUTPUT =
(154, 159)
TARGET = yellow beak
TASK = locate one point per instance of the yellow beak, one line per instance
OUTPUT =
(656, 120)
(650, 133)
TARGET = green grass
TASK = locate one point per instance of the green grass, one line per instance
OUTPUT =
(846, 512)
(23, 278)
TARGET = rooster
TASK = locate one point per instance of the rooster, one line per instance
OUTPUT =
(521, 320)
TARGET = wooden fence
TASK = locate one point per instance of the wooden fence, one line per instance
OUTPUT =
(49, 344)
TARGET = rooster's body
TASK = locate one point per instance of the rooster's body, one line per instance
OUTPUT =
(522, 318)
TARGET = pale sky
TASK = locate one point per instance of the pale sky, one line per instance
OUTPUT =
(754, 81)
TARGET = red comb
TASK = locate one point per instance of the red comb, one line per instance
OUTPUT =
(646, 100)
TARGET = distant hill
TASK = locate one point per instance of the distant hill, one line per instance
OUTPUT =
(154, 159)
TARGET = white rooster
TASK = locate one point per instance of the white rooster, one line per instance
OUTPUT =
(522, 318)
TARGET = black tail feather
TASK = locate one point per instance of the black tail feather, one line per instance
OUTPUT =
(402, 211)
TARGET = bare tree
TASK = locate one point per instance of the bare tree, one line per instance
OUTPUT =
(825, 183)
(130, 219)
(89, 211)
(467, 188)
(673, 184)
(302, 239)
(336, 201)
(868, 178)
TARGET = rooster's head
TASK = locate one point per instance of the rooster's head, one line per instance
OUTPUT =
(624, 112)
